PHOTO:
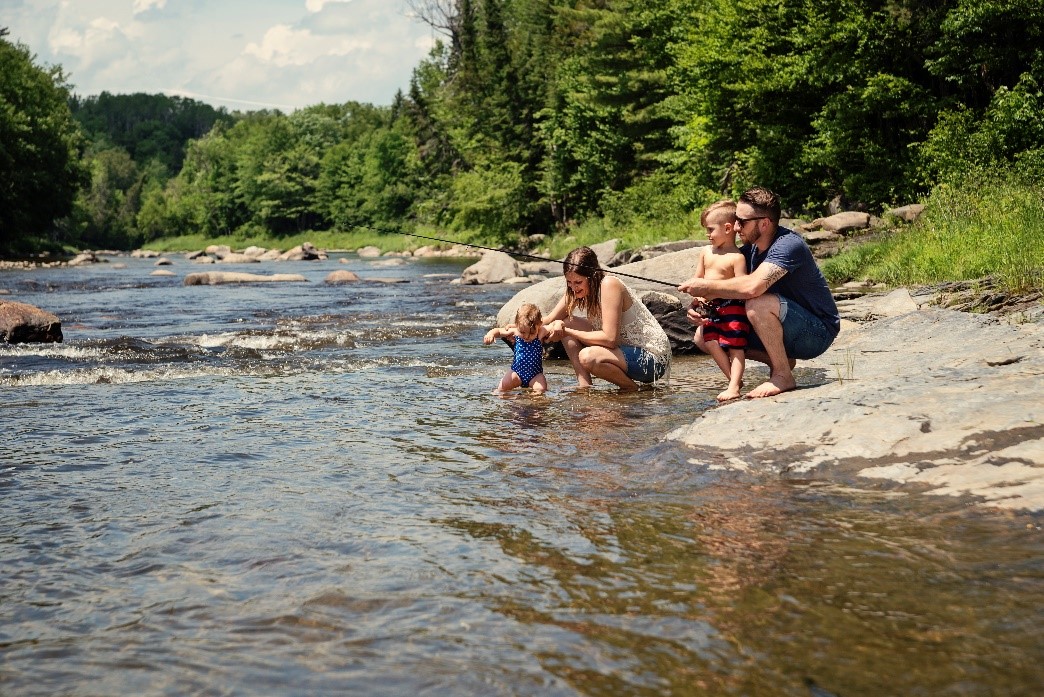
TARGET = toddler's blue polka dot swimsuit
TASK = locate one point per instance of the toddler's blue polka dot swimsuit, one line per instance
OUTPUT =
(529, 359)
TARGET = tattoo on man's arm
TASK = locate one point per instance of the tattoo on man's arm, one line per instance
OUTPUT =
(774, 273)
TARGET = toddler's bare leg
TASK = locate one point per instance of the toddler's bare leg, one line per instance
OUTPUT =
(510, 381)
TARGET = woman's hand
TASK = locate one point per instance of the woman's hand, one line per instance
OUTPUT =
(555, 330)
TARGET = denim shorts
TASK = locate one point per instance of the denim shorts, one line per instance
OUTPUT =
(642, 366)
(804, 335)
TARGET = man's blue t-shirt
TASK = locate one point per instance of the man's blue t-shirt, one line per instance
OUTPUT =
(804, 283)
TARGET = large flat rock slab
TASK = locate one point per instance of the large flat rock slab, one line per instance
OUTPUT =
(948, 401)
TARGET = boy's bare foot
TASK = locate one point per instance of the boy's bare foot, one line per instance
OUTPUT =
(771, 388)
(729, 395)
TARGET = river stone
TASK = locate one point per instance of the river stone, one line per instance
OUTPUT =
(628, 256)
(271, 255)
(946, 400)
(341, 276)
(546, 268)
(23, 323)
(493, 267)
(369, 251)
(162, 272)
(83, 258)
(144, 254)
(907, 213)
(204, 260)
(213, 278)
(163, 261)
(842, 222)
(218, 250)
(237, 258)
(605, 251)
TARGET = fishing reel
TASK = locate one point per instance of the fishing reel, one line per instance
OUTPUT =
(706, 310)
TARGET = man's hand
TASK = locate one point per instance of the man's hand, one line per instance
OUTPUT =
(694, 286)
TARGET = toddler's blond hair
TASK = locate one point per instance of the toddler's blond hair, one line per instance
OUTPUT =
(528, 318)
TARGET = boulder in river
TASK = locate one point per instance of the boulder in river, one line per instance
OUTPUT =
(493, 267)
(214, 278)
(23, 323)
(341, 276)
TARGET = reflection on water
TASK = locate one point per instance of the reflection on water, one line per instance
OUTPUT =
(312, 490)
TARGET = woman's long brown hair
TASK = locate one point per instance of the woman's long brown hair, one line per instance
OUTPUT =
(584, 261)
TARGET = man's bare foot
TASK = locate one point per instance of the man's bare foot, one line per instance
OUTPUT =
(729, 395)
(771, 388)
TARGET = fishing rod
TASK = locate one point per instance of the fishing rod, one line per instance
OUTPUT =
(526, 255)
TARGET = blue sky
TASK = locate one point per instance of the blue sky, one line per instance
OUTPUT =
(239, 54)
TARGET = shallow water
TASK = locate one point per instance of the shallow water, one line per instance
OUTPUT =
(309, 489)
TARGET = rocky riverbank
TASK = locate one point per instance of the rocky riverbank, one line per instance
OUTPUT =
(917, 398)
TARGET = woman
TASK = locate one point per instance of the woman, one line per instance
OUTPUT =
(606, 331)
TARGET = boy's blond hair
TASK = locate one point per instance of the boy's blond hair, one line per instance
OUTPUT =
(722, 211)
(528, 317)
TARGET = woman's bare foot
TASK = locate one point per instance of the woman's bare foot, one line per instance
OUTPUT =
(772, 387)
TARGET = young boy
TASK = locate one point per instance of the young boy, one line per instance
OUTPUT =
(527, 334)
(725, 328)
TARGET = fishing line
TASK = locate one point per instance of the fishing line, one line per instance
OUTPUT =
(522, 254)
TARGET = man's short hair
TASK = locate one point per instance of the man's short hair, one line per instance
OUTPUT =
(763, 201)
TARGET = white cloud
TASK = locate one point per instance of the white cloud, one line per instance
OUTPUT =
(239, 53)
(99, 42)
(146, 5)
(283, 45)
(317, 5)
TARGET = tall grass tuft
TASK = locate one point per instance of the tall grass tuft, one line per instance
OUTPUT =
(984, 225)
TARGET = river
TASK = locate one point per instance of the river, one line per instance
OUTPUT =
(302, 488)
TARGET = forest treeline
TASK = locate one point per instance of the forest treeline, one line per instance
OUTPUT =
(535, 115)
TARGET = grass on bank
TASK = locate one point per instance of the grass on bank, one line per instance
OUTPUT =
(983, 226)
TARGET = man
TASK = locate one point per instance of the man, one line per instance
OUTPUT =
(788, 302)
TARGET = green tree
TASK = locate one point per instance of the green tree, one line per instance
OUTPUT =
(40, 168)
(148, 126)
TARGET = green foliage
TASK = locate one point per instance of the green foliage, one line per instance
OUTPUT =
(1011, 128)
(148, 126)
(40, 169)
(585, 117)
(986, 224)
(105, 211)
(491, 201)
